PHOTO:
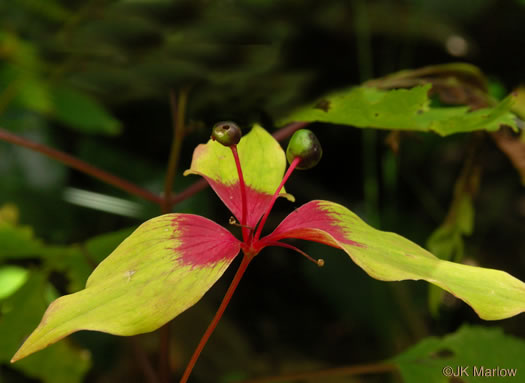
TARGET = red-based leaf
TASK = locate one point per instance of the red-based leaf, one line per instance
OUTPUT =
(160, 270)
(263, 163)
(493, 294)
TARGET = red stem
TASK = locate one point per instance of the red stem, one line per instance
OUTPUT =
(318, 262)
(211, 327)
(294, 163)
(84, 167)
(245, 230)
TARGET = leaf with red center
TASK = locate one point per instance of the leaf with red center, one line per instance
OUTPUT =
(493, 294)
(160, 270)
(263, 164)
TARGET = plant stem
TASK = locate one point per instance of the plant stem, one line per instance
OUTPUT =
(243, 193)
(360, 369)
(178, 110)
(143, 360)
(288, 130)
(80, 165)
(178, 115)
(291, 168)
(211, 327)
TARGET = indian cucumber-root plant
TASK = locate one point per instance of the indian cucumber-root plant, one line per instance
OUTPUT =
(167, 264)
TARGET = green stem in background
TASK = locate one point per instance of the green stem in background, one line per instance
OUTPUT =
(218, 315)
(178, 114)
(360, 369)
(178, 110)
(80, 165)
(369, 136)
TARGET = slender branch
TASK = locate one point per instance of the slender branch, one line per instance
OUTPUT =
(291, 168)
(211, 327)
(143, 360)
(80, 165)
(191, 190)
(288, 130)
(244, 213)
(178, 111)
(178, 115)
(361, 369)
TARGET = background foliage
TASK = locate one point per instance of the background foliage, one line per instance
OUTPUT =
(93, 79)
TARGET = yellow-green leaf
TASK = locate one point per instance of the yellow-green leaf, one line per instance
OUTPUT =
(263, 164)
(160, 270)
(493, 294)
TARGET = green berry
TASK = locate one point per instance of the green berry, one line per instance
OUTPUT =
(227, 133)
(305, 145)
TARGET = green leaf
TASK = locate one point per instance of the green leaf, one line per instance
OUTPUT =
(159, 271)
(478, 349)
(367, 107)
(493, 294)
(11, 278)
(18, 242)
(82, 112)
(401, 109)
(60, 363)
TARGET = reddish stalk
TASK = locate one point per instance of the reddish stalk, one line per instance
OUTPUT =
(289, 172)
(82, 166)
(218, 315)
(245, 230)
(319, 262)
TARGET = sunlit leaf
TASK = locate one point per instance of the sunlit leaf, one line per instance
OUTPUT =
(263, 163)
(496, 357)
(159, 271)
(60, 363)
(493, 294)
(401, 109)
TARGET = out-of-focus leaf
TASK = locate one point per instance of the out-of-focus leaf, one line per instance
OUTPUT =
(462, 72)
(60, 363)
(9, 214)
(20, 79)
(446, 242)
(479, 349)
(519, 105)
(101, 246)
(11, 278)
(401, 109)
(81, 111)
(18, 242)
(159, 271)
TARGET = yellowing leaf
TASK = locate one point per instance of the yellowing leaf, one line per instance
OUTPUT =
(159, 271)
(263, 164)
(493, 294)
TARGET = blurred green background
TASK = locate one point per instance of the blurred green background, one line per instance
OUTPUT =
(93, 78)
